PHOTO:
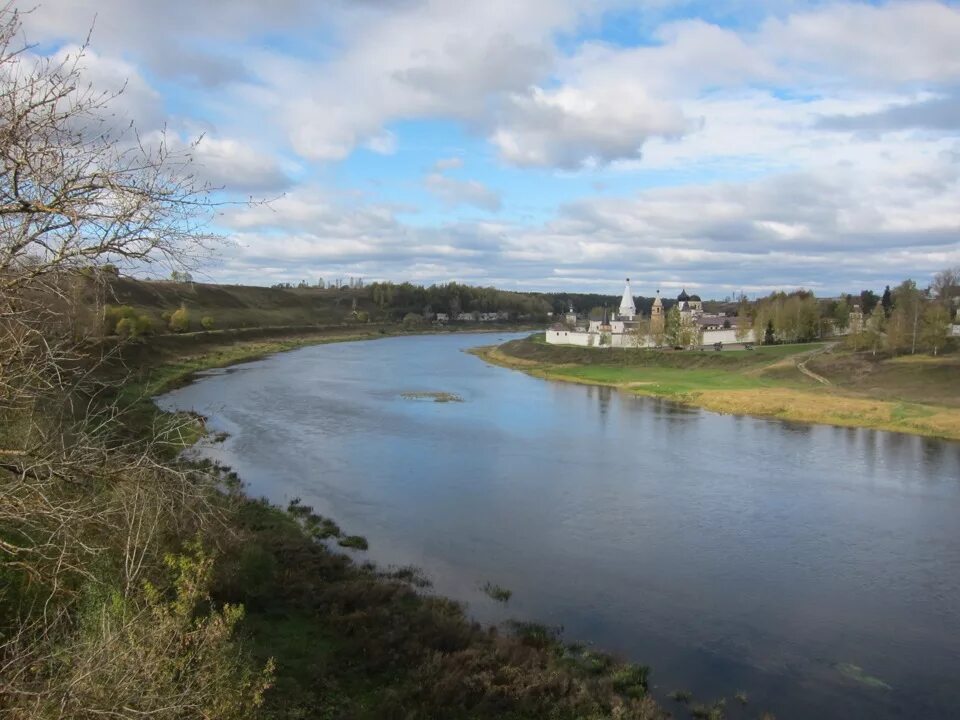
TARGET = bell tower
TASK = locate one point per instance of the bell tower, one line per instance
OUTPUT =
(656, 316)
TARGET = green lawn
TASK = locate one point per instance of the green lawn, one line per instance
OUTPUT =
(777, 351)
(663, 380)
(677, 373)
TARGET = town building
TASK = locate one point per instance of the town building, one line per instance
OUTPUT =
(855, 323)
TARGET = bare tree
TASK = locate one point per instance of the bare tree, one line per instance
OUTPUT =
(76, 198)
(77, 195)
(640, 335)
(946, 285)
(81, 504)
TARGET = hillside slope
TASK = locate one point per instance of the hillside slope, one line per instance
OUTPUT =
(239, 306)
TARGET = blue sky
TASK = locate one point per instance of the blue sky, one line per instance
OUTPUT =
(552, 144)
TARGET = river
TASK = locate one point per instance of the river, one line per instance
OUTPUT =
(815, 568)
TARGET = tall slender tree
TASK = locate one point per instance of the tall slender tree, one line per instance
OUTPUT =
(886, 301)
(875, 328)
(935, 327)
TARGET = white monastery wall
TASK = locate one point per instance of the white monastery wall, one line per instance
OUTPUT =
(727, 336)
(568, 337)
(628, 340)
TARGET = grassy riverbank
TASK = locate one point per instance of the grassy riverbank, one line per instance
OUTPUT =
(349, 640)
(916, 395)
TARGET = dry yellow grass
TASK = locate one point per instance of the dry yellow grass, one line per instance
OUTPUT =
(494, 356)
(835, 409)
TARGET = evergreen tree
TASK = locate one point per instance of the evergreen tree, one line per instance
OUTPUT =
(887, 301)
(868, 301)
(769, 337)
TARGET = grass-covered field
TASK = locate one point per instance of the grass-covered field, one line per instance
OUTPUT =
(916, 394)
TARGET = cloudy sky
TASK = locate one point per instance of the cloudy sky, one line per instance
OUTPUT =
(722, 145)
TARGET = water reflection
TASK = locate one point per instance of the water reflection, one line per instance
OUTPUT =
(730, 552)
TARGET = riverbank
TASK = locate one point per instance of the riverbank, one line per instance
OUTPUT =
(350, 640)
(814, 383)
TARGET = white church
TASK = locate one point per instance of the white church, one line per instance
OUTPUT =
(628, 329)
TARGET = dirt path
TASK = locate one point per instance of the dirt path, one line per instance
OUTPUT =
(802, 365)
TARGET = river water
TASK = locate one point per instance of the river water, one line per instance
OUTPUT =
(815, 568)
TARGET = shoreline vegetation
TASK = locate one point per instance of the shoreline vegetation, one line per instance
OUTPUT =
(811, 383)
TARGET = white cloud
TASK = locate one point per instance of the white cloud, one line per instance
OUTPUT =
(830, 228)
(116, 83)
(236, 166)
(898, 42)
(176, 38)
(318, 212)
(453, 192)
(832, 224)
(495, 66)
(385, 143)
(450, 163)
(571, 127)
(420, 59)
(609, 101)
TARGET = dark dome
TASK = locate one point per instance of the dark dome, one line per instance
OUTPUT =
(683, 296)
(695, 298)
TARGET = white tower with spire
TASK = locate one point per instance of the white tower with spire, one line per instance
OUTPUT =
(628, 310)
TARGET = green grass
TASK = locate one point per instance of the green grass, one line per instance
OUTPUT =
(355, 542)
(534, 349)
(497, 592)
(440, 397)
(663, 380)
(860, 676)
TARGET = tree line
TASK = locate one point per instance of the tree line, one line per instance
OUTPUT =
(902, 319)
(399, 299)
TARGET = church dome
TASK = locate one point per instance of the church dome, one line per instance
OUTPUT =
(695, 298)
(683, 297)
